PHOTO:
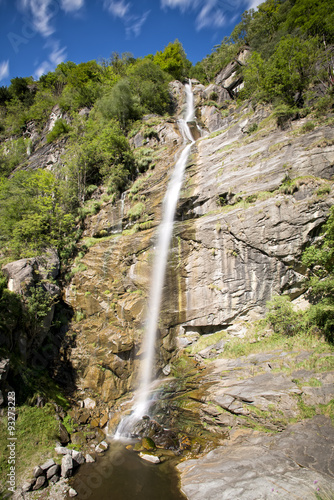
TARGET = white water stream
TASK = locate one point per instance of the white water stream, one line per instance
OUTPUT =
(143, 395)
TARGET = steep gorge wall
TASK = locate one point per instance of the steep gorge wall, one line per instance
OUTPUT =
(250, 204)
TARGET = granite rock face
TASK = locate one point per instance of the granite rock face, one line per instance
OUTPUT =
(260, 467)
(253, 198)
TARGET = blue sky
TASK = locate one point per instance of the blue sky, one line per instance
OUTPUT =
(36, 35)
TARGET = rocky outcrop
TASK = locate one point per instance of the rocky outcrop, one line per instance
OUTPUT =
(256, 466)
(254, 197)
(26, 275)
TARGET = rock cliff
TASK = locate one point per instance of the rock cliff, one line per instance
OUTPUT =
(254, 197)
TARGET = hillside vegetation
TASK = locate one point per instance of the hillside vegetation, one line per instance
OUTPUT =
(99, 108)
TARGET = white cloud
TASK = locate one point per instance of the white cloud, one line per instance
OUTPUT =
(181, 4)
(210, 16)
(4, 69)
(56, 56)
(134, 24)
(254, 3)
(209, 13)
(42, 12)
(118, 8)
(72, 5)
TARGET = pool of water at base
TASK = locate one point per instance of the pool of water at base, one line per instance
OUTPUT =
(120, 474)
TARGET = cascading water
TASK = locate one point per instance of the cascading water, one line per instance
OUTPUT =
(142, 397)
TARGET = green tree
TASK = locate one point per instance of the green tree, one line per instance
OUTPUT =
(291, 69)
(173, 60)
(319, 258)
(120, 103)
(22, 89)
(314, 17)
(32, 214)
(149, 84)
(101, 153)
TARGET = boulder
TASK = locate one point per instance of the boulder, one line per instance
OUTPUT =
(150, 458)
(53, 471)
(54, 479)
(78, 457)
(89, 459)
(24, 273)
(61, 450)
(49, 463)
(89, 403)
(78, 438)
(38, 471)
(265, 466)
(101, 447)
(66, 466)
(27, 485)
(72, 493)
(64, 436)
(41, 482)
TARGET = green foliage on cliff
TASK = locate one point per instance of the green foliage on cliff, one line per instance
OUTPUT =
(319, 318)
(33, 214)
(173, 60)
(319, 258)
(291, 54)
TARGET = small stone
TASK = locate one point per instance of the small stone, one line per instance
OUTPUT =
(95, 422)
(54, 479)
(54, 470)
(103, 446)
(61, 450)
(27, 485)
(89, 403)
(66, 466)
(38, 471)
(100, 435)
(150, 458)
(72, 492)
(49, 463)
(63, 434)
(104, 419)
(78, 457)
(89, 459)
(40, 483)
(166, 370)
(83, 416)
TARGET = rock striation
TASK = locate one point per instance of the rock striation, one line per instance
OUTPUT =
(254, 197)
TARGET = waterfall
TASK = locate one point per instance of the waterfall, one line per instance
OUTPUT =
(142, 397)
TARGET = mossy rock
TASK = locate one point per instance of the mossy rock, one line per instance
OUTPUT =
(138, 447)
(78, 438)
(148, 444)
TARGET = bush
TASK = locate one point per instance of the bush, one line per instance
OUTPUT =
(282, 318)
(136, 211)
(60, 128)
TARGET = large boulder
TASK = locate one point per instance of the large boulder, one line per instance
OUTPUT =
(25, 273)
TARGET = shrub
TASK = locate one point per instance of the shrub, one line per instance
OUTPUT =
(282, 318)
(60, 128)
(136, 211)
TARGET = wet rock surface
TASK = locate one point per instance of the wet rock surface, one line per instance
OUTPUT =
(257, 466)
